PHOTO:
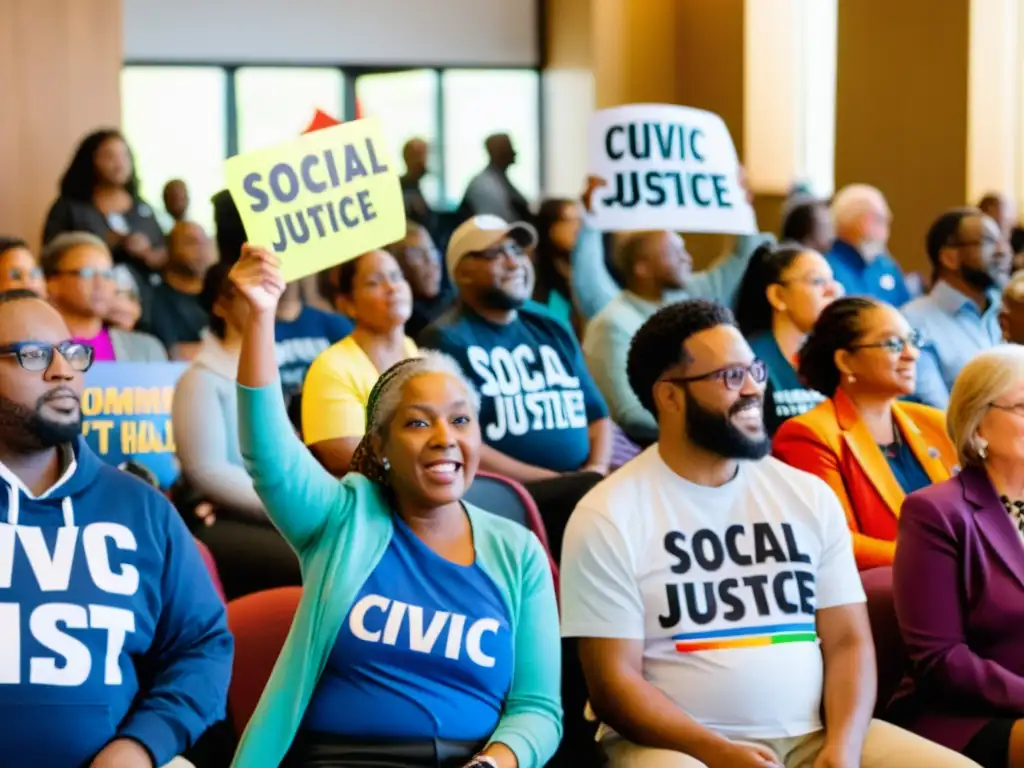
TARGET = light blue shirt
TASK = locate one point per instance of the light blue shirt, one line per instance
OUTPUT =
(954, 329)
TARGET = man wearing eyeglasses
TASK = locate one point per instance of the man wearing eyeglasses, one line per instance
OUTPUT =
(114, 647)
(713, 589)
(960, 316)
(543, 419)
(81, 283)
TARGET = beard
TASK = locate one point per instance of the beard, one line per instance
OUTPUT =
(871, 249)
(496, 298)
(977, 278)
(34, 430)
(714, 431)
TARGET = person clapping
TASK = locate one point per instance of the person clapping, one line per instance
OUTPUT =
(427, 632)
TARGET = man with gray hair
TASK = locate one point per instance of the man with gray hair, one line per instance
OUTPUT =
(859, 259)
(81, 284)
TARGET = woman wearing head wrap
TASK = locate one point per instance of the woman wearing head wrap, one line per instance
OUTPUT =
(427, 632)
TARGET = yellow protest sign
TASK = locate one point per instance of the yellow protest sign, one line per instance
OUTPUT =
(321, 199)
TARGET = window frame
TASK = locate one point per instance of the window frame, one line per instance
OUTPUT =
(349, 75)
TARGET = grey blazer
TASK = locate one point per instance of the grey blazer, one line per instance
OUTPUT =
(135, 347)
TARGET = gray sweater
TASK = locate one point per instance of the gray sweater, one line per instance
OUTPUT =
(205, 418)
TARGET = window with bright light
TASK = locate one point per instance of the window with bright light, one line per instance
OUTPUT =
(478, 103)
(275, 104)
(818, 52)
(406, 103)
(168, 144)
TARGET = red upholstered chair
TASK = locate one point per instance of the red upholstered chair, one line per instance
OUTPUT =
(506, 498)
(211, 566)
(885, 630)
(260, 624)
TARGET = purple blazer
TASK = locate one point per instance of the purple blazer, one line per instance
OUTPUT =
(958, 590)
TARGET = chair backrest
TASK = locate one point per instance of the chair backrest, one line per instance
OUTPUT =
(211, 566)
(506, 498)
(885, 630)
(260, 623)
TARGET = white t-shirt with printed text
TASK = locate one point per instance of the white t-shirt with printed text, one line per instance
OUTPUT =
(721, 583)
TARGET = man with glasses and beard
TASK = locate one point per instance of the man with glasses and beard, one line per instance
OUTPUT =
(713, 589)
(960, 316)
(114, 648)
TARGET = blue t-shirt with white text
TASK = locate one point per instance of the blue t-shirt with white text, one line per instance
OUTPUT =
(425, 652)
(537, 397)
(298, 342)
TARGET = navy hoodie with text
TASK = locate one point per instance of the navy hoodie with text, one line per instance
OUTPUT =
(109, 623)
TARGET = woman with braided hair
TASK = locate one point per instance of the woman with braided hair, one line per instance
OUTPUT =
(427, 632)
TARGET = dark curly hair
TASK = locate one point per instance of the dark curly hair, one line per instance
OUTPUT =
(79, 179)
(838, 326)
(658, 345)
(753, 311)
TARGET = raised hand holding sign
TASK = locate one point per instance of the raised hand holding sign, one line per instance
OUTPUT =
(257, 277)
(666, 167)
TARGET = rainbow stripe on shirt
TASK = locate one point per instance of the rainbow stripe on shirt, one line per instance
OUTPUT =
(747, 637)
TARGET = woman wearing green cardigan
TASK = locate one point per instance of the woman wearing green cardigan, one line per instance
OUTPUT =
(427, 632)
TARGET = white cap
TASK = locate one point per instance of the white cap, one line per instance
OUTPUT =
(481, 232)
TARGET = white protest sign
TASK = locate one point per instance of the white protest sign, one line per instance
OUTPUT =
(666, 167)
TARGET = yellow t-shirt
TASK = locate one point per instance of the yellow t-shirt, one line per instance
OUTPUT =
(336, 391)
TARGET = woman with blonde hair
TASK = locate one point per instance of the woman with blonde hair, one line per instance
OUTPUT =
(427, 632)
(958, 575)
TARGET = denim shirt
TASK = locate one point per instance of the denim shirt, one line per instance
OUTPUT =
(954, 329)
(880, 278)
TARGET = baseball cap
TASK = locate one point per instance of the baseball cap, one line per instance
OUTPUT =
(481, 232)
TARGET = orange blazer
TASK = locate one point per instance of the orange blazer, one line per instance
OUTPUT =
(832, 442)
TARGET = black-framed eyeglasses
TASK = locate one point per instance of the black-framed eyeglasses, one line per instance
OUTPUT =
(733, 376)
(16, 273)
(37, 356)
(1016, 409)
(87, 273)
(495, 252)
(894, 344)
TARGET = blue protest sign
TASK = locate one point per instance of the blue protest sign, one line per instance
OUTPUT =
(126, 410)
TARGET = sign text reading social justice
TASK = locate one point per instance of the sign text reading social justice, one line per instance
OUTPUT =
(666, 167)
(320, 199)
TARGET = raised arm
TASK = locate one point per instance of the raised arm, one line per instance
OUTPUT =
(298, 493)
(928, 594)
(721, 282)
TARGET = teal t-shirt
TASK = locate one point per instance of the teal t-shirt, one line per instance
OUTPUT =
(785, 395)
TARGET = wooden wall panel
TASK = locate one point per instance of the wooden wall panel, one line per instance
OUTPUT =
(60, 70)
(901, 110)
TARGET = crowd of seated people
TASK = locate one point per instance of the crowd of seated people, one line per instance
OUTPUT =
(798, 416)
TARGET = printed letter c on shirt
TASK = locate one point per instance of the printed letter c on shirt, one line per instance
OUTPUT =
(473, 638)
(94, 542)
(358, 615)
